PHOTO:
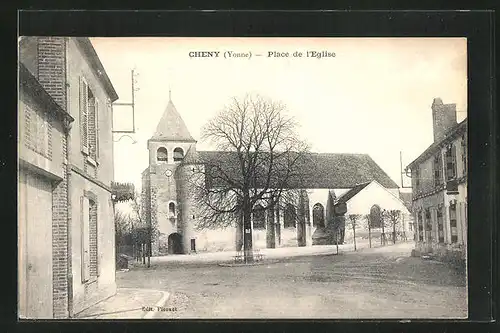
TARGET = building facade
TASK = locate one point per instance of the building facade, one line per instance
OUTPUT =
(168, 201)
(439, 182)
(66, 215)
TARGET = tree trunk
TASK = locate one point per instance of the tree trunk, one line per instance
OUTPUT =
(278, 225)
(369, 235)
(354, 234)
(271, 237)
(239, 232)
(247, 231)
(382, 239)
(337, 240)
(143, 253)
(394, 233)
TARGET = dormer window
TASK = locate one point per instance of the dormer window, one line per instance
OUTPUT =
(161, 155)
(178, 154)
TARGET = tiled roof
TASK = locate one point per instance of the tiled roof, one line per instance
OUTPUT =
(171, 127)
(317, 170)
(406, 198)
(450, 135)
(352, 192)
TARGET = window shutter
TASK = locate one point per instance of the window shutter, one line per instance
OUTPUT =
(453, 161)
(84, 115)
(85, 239)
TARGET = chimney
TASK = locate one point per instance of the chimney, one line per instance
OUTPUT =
(52, 67)
(444, 117)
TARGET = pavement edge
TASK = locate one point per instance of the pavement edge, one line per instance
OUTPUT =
(161, 302)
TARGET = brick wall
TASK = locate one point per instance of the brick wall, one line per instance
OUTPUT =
(52, 67)
(60, 242)
(52, 76)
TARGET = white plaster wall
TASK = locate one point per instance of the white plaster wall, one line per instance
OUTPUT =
(374, 194)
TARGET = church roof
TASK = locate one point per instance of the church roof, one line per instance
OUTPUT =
(317, 170)
(171, 127)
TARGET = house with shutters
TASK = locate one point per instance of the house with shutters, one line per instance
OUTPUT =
(66, 259)
(439, 187)
(170, 206)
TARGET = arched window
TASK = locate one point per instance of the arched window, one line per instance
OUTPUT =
(289, 216)
(259, 217)
(318, 216)
(161, 154)
(375, 220)
(178, 154)
(171, 209)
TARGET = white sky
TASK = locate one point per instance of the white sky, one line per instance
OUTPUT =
(374, 97)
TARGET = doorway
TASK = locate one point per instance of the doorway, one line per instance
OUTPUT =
(35, 246)
(175, 243)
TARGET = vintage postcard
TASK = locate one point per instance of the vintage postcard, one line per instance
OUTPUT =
(232, 178)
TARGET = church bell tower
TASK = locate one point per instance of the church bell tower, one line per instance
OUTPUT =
(167, 149)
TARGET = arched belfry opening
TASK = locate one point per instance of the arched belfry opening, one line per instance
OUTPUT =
(178, 154)
(162, 155)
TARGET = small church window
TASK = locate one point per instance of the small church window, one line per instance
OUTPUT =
(178, 154)
(171, 209)
(161, 154)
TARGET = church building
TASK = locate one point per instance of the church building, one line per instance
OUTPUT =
(170, 206)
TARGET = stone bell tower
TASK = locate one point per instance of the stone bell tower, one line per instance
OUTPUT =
(162, 181)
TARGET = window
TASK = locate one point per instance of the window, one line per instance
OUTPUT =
(420, 227)
(259, 217)
(440, 224)
(162, 155)
(171, 209)
(178, 154)
(453, 222)
(89, 121)
(417, 178)
(375, 217)
(451, 168)
(93, 238)
(92, 125)
(84, 111)
(38, 127)
(289, 216)
(318, 216)
(89, 240)
(428, 224)
(437, 169)
(464, 154)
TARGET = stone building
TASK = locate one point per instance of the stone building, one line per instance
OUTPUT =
(169, 205)
(439, 181)
(66, 215)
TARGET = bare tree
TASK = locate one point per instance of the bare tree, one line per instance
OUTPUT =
(369, 226)
(353, 221)
(123, 228)
(393, 218)
(260, 162)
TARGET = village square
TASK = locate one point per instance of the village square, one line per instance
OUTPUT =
(239, 200)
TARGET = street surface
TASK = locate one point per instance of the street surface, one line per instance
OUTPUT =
(383, 282)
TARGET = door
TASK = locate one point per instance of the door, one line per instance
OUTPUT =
(35, 232)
